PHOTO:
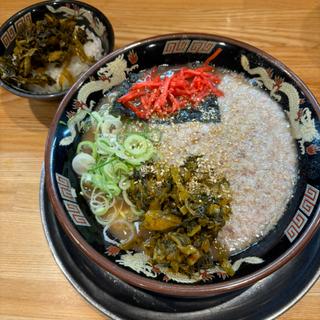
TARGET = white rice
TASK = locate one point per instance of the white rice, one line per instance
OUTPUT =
(252, 146)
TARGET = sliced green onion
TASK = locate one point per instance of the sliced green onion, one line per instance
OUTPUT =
(113, 170)
(144, 157)
(121, 168)
(124, 183)
(83, 145)
(107, 146)
(112, 189)
(107, 219)
(108, 170)
(99, 204)
(85, 182)
(102, 162)
(135, 145)
(126, 198)
(109, 187)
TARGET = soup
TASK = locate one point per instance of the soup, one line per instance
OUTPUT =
(187, 165)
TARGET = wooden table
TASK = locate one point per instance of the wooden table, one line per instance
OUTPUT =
(32, 286)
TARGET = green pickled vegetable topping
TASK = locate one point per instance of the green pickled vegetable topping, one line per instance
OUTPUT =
(185, 210)
(50, 40)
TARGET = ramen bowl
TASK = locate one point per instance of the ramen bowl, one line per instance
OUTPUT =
(85, 16)
(300, 217)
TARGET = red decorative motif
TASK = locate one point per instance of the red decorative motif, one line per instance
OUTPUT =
(309, 200)
(299, 114)
(133, 57)
(312, 149)
(104, 78)
(166, 278)
(302, 100)
(277, 82)
(205, 276)
(113, 251)
(70, 114)
(76, 214)
(155, 269)
(79, 105)
(270, 72)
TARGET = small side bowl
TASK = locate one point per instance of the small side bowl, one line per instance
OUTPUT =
(86, 14)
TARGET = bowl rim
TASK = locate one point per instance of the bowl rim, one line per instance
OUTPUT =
(15, 16)
(192, 290)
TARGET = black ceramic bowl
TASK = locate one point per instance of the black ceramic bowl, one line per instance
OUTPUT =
(301, 218)
(85, 15)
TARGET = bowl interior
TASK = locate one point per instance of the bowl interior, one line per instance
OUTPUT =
(302, 213)
(85, 15)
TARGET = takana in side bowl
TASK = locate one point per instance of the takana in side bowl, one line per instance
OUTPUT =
(187, 164)
(44, 48)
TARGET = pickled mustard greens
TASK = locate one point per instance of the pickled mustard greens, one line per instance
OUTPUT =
(184, 211)
(48, 41)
